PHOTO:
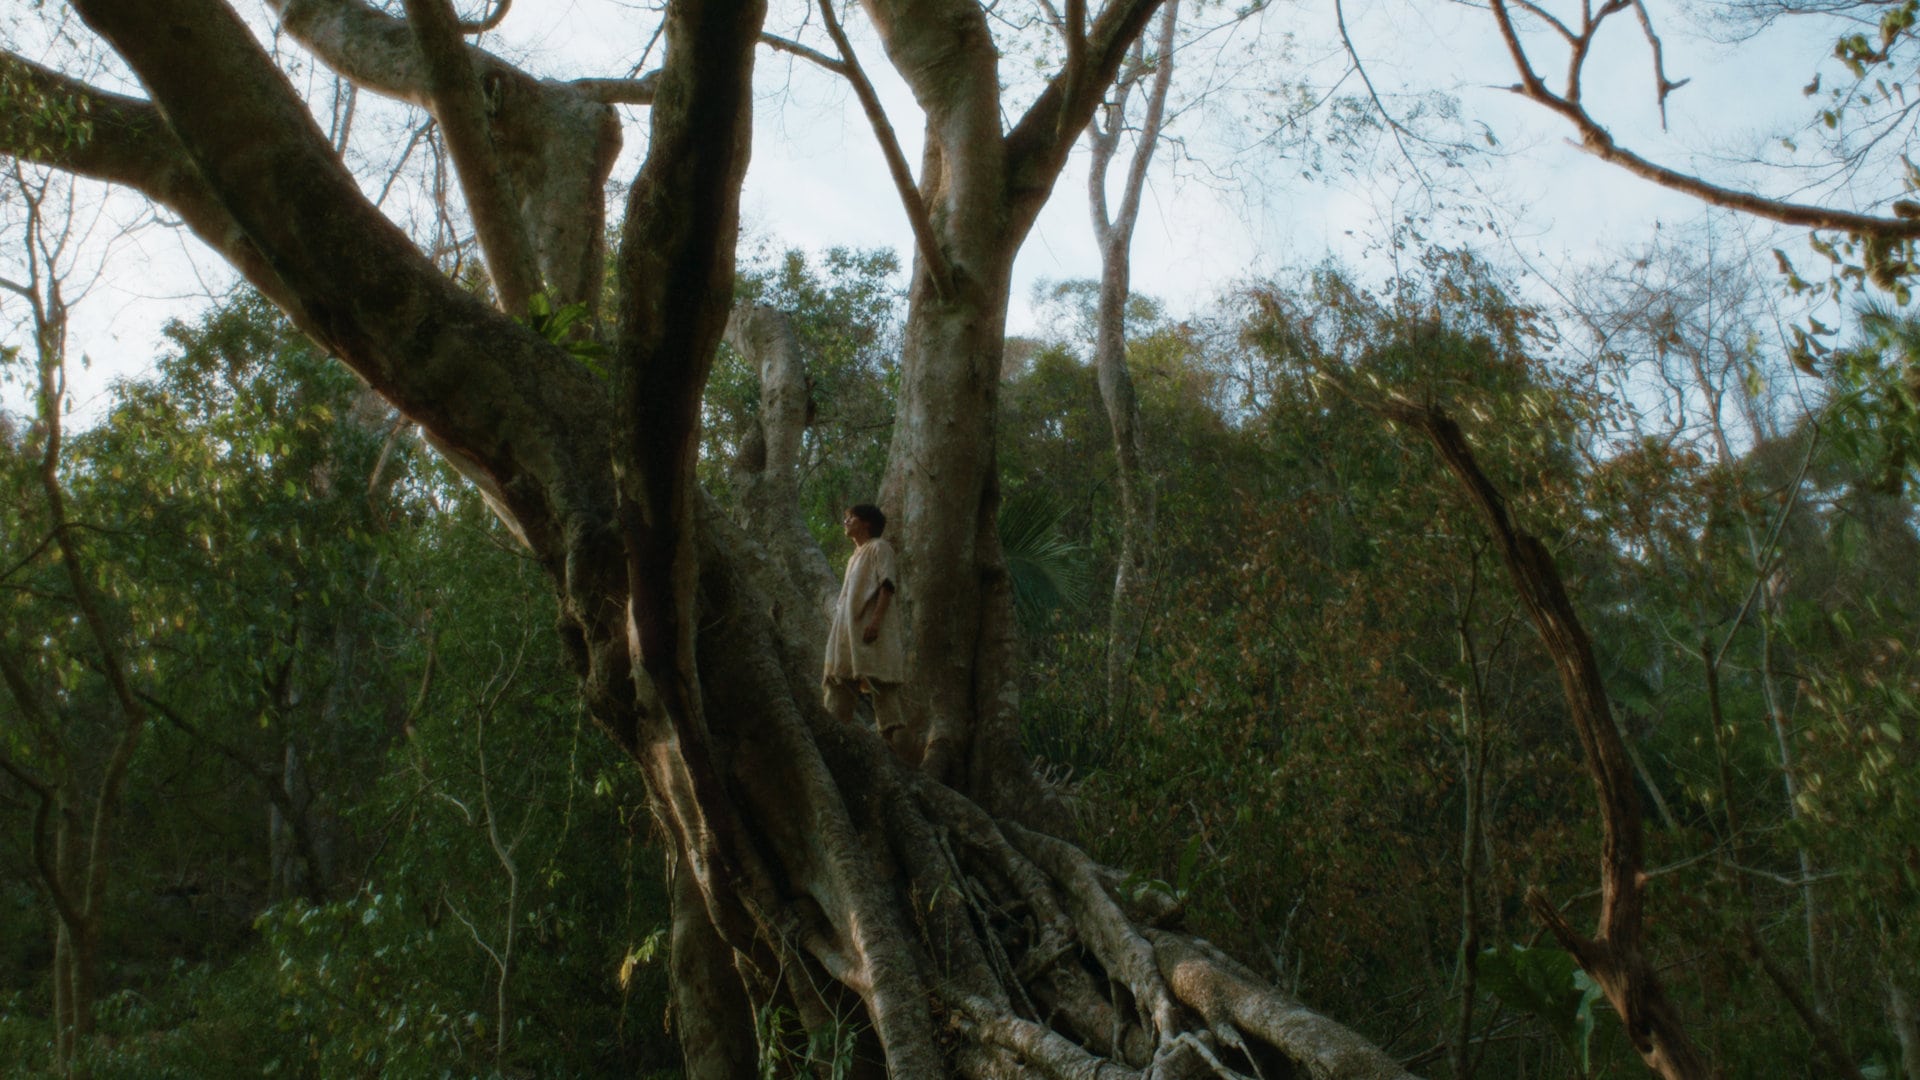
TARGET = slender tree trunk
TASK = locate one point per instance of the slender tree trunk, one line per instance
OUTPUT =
(1136, 481)
(1906, 1025)
(1472, 839)
(67, 1008)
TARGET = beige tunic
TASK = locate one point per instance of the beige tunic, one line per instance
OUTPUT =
(885, 660)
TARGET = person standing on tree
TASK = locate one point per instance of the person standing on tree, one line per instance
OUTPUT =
(865, 650)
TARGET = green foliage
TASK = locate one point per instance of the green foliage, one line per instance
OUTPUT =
(42, 123)
(1048, 570)
(846, 311)
(568, 327)
(300, 579)
(788, 1048)
(1872, 413)
(1548, 984)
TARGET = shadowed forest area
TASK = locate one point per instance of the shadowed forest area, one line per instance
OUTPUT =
(1426, 665)
(371, 829)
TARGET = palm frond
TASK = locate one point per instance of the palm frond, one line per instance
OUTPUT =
(1047, 569)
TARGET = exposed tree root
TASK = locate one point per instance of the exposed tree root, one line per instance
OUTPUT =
(973, 944)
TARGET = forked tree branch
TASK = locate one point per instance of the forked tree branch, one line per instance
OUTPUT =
(48, 798)
(1599, 142)
(1039, 142)
(46, 806)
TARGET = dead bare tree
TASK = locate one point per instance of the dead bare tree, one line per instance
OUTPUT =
(1614, 956)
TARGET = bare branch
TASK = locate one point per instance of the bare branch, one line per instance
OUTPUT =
(492, 20)
(619, 91)
(916, 207)
(1665, 86)
(1596, 140)
(804, 52)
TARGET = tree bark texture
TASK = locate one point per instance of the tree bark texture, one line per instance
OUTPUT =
(969, 942)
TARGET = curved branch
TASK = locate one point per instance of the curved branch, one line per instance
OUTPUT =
(491, 22)
(63, 902)
(1614, 957)
(1232, 1000)
(1596, 140)
(916, 207)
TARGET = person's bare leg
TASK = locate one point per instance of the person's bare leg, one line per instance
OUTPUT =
(895, 730)
(840, 697)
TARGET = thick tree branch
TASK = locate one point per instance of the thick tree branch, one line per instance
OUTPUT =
(1074, 28)
(515, 406)
(619, 91)
(130, 145)
(1235, 1003)
(459, 106)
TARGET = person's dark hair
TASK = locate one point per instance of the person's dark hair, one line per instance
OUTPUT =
(869, 513)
